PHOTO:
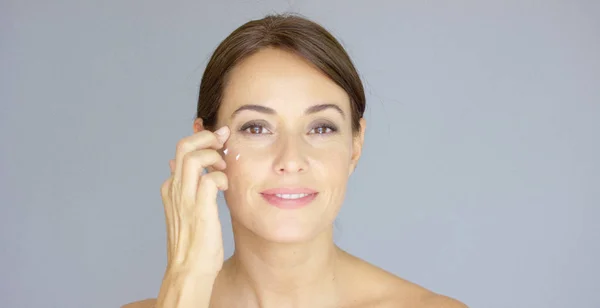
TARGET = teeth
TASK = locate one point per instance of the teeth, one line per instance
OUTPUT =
(291, 196)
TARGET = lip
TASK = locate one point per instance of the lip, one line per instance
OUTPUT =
(270, 195)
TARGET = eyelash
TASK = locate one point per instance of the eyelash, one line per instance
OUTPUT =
(261, 126)
(251, 125)
(332, 129)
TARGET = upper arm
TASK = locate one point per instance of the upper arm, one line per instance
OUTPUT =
(147, 303)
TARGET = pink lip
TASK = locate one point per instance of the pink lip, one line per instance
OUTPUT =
(270, 195)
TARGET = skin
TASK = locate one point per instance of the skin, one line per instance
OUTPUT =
(283, 257)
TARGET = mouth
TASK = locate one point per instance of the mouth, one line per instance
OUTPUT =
(289, 198)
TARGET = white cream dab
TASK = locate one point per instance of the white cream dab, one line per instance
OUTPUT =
(237, 157)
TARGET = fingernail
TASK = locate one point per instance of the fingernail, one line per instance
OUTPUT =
(221, 133)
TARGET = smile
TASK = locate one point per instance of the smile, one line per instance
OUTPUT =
(289, 198)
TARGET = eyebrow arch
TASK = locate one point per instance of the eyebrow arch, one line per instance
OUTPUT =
(310, 110)
(257, 108)
(321, 107)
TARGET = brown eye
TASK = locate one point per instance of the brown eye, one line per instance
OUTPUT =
(254, 128)
(322, 130)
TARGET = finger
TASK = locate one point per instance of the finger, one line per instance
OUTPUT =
(193, 166)
(164, 192)
(171, 224)
(208, 187)
(172, 166)
(218, 166)
(200, 140)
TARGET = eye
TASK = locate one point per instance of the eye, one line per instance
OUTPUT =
(323, 129)
(254, 128)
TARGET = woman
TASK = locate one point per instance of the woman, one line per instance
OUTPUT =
(279, 129)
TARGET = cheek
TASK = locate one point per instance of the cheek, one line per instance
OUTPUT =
(330, 165)
(245, 169)
(330, 170)
(333, 157)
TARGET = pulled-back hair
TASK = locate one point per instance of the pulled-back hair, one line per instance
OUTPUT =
(288, 32)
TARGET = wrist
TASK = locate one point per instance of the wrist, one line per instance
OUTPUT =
(182, 288)
(184, 272)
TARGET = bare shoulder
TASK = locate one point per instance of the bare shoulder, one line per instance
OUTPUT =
(441, 301)
(382, 289)
(402, 293)
(147, 303)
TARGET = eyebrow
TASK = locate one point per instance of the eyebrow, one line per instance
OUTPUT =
(309, 110)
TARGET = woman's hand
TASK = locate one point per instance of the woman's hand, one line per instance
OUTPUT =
(194, 240)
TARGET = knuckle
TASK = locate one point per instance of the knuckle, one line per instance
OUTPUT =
(188, 158)
(201, 158)
(211, 178)
(207, 178)
(214, 175)
(164, 188)
(207, 135)
(218, 177)
(203, 132)
(190, 143)
(212, 156)
(183, 146)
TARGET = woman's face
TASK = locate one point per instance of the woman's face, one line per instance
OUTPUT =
(291, 148)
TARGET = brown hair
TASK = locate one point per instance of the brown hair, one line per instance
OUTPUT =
(289, 32)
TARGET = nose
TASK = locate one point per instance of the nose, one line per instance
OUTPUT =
(290, 159)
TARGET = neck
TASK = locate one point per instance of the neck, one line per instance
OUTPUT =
(283, 273)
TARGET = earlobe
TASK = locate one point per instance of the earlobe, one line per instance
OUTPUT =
(357, 145)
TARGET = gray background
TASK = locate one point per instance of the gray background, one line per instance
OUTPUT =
(480, 178)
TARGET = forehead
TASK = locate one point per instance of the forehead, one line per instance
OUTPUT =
(280, 79)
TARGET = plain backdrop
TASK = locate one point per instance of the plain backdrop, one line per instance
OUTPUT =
(480, 177)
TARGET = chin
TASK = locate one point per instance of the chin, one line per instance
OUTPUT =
(280, 229)
(287, 233)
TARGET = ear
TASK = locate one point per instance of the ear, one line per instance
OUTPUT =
(357, 144)
(198, 125)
